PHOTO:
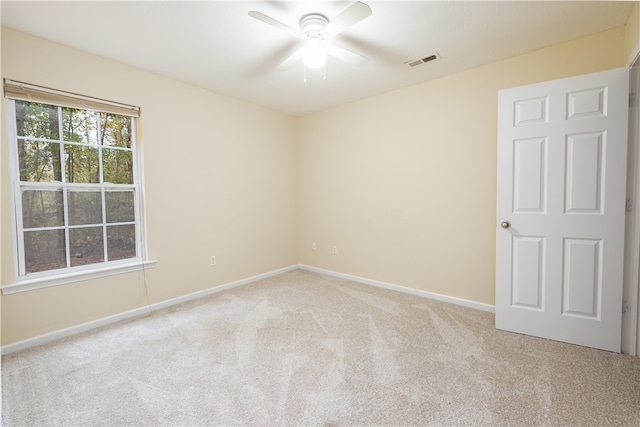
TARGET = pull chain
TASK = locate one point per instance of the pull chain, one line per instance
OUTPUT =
(324, 72)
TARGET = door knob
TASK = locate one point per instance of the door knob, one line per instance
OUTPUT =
(505, 224)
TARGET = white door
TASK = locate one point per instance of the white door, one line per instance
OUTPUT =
(562, 150)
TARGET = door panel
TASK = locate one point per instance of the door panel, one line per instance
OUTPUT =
(528, 268)
(529, 173)
(584, 173)
(562, 149)
(582, 282)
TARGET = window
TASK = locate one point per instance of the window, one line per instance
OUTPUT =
(76, 184)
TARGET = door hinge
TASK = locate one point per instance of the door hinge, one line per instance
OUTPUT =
(632, 100)
(625, 306)
(628, 207)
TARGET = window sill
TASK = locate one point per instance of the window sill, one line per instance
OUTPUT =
(62, 279)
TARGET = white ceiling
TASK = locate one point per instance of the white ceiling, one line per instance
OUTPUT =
(217, 46)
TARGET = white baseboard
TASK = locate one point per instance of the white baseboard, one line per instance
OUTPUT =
(453, 300)
(83, 327)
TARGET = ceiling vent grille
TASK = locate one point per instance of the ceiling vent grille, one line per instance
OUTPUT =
(415, 62)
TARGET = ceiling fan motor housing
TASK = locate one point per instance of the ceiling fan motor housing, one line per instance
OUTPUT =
(312, 26)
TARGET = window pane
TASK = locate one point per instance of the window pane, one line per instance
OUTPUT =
(79, 126)
(82, 164)
(37, 120)
(121, 242)
(39, 161)
(44, 250)
(86, 246)
(120, 206)
(85, 207)
(116, 130)
(69, 213)
(42, 208)
(117, 165)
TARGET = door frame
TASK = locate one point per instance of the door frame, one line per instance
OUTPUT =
(630, 318)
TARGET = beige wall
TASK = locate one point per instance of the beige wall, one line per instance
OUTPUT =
(632, 35)
(405, 183)
(219, 179)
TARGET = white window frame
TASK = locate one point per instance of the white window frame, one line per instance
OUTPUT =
(29, 281)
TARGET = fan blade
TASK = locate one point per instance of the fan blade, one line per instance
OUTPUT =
(351, 15)
(291, 60)
(279, 25)
(345, 55)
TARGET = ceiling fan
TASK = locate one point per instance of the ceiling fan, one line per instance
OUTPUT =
(315, 29)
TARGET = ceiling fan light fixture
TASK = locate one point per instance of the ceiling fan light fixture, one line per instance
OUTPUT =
(314, 56)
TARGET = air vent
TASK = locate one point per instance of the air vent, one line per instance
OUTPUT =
(420, 61)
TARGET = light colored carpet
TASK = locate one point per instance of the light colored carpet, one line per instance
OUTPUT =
(307, 349)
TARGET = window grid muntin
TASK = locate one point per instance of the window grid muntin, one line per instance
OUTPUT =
(65, 186)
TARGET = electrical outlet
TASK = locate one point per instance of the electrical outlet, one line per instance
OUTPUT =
(335, 249)
(314, 246)
(212, 261)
